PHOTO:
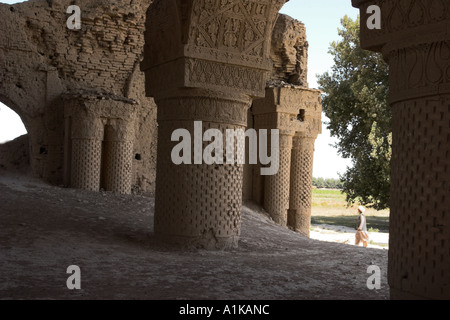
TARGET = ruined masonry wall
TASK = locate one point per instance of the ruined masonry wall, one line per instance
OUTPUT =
(40, 59)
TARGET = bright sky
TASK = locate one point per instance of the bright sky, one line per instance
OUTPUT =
(322, 19)
(11, 126)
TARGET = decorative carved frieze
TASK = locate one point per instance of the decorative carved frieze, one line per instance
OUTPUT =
(418, 69)
(209, 43)
(403, 19)
(296, 109)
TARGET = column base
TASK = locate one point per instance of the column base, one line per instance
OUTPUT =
(208, 241)
(299, 223)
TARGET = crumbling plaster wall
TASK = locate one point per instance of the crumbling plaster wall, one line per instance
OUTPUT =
(40, 59)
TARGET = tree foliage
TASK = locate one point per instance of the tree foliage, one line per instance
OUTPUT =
(356, 102)
(322, 183)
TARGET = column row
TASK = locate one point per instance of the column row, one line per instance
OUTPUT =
(296, 113)
(98, 146)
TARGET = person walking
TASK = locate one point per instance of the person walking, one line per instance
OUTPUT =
(361, 227)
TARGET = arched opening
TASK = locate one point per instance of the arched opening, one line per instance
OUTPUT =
(14, 143)
(11, 125)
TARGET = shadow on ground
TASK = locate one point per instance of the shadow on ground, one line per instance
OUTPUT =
(45, 229)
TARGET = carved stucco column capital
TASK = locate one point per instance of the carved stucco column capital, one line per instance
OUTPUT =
(217, 45)
(402, 21)
(290, 109)
(415, 41)
(91, 112)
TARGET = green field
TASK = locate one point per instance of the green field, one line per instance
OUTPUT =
(330, 207)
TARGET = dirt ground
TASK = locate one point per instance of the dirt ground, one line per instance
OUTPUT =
(45, 229)
(346, 235)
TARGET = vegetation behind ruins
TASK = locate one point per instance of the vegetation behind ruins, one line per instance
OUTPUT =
(355, 101)
(330, 207)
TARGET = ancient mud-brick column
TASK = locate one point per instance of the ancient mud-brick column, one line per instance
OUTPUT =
(86, 152)
(118, 156)
(296, 113)
(415, 41)
(204, 61)
(99, 139)
(270, 114)
(300, 201)
(276, 187)
(308, 104)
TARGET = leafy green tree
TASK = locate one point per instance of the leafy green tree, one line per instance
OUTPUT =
(330, 184)
(322, 183)
(356, 102)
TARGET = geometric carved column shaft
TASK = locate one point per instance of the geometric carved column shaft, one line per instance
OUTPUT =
(419, 259)
(415, 41)
(299, 218)
(269, 115)
(118, 156)
(276, 187)
(87, 136)
(198, 204)
(204, 61)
